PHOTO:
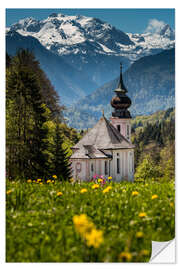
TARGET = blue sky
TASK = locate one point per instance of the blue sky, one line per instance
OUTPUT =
(127, 20)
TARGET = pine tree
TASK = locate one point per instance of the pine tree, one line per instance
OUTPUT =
(61, 162)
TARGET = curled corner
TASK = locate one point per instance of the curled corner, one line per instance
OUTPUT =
(163, 252)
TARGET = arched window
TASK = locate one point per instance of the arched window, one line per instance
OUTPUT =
(128, 132)
(119, 128)
(92, 167)
(118, 163)
(105, 167)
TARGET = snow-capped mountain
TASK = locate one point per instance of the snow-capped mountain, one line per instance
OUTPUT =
(82, 35)
(91, 48)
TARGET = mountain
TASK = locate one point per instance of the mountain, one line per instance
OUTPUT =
(68, 81)
(150, 82)
(91, 46)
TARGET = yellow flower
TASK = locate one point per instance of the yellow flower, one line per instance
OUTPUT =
(142, 214)
(48, 181)
(83, 190)
(29, 181)
(34, 181)
(59, 193)
(107, 189)
(38, 180)
(135, 193)
(8, 191)
(144, 252)
(154, 197)
(94, 238)
(123, 190)
(53, 181)
(125, 256)
(54, 176)
(139, 234)
(82, 224)
(41, 183)
(171, 204)
(110, 177)
(100, 180)
(95, 186)
(71, 180)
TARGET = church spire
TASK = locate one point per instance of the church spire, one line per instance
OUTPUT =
(121, 87)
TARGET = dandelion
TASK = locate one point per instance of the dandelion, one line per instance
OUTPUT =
(38, 180)
(110, 178)
(142, 214)
(144, 252)
(94, 238)
(135, 193)
(95, 186)
(171, 204)
(54, 176)
(139, 235)
(41, 183)
(107, 189)
(100, 180)
(59, 194)
(48, 181)
(53, 181)
(154, 197)
(29, 181)
(83, 190)
(8, 191)
(125, 256)
(34, 181)
(82, 224)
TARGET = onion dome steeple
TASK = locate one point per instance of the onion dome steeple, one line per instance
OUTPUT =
(121, 102)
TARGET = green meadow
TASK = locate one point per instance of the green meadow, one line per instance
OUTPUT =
(40, 226)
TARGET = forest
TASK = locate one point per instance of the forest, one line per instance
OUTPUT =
(37, 139)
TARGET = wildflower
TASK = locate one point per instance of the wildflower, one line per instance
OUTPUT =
(8, 191)
(107, 189)
(154, 197)
(100, 180)
(142, 214)
(139, 235)
(94, 238)
(34, 181)
(83, 190)
(95, 186)
(54, 176)
(38, 180)
(125, 256)
(123, 190)
(71, 180)
(82, 224)
(53, 181)
(135, 193)
(48, 181)
(171, 204)
(41, 183)
(29, 181)
(110, 178)
(144, 252)
(59, 194)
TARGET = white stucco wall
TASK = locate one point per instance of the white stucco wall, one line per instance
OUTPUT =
(124, 123)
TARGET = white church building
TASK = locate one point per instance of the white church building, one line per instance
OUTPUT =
(107, 149)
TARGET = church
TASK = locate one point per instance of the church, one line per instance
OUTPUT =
(107, 149)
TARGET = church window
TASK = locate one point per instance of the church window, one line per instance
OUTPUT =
(92, 167)
(105, 168)
(118, 165)
(119, 128)
(128, 131)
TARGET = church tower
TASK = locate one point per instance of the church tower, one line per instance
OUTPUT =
(121, 117)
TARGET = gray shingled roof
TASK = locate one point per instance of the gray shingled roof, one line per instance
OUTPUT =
(102, 136)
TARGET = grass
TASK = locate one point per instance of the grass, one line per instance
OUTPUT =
(40, 228)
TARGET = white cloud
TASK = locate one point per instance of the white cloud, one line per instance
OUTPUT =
(154, 26)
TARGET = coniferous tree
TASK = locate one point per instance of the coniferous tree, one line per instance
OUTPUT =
(61, 162)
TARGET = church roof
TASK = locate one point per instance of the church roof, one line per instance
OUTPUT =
(102, 136)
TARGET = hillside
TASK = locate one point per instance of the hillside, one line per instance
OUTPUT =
(150, 82)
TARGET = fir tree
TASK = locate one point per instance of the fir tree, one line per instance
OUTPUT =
(60, 160)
